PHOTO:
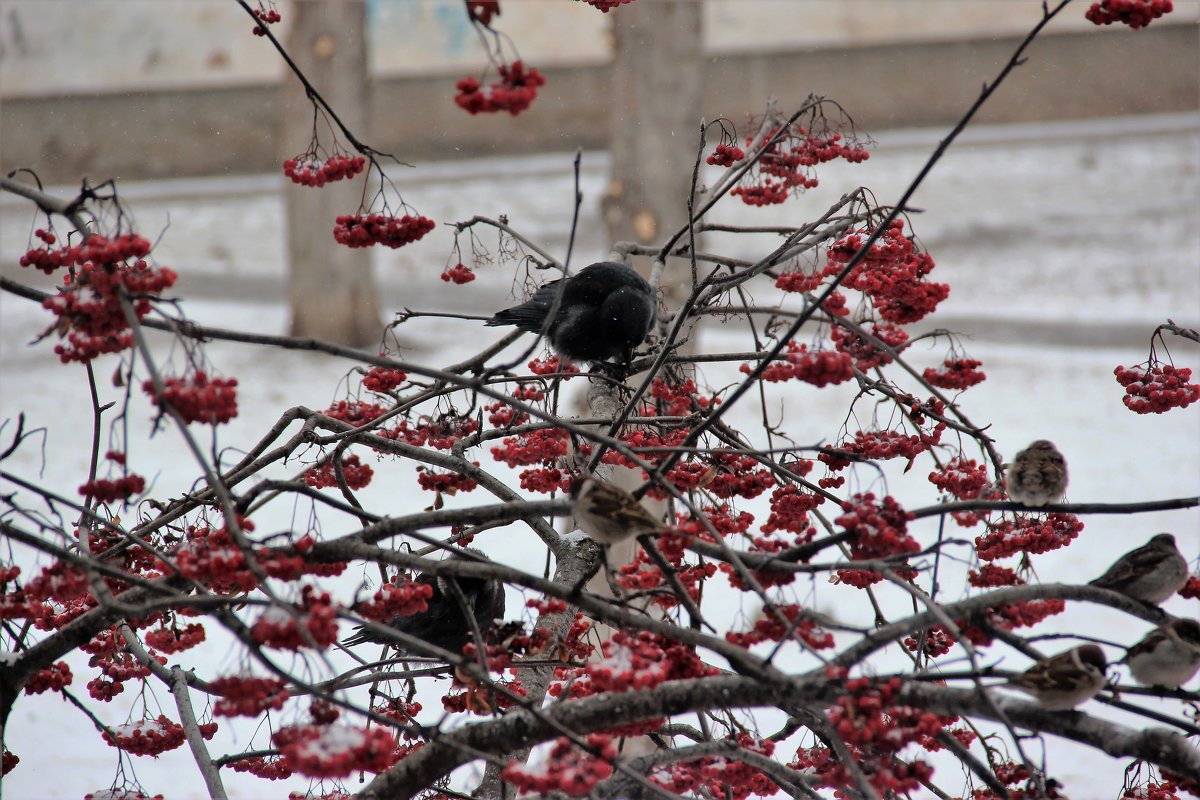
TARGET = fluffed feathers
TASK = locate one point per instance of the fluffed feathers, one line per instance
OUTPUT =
(443, 623)
(604, 312)
(1168, 656)
(1061, 682)
(1151, 573)
(608, 513)
(1038, 475)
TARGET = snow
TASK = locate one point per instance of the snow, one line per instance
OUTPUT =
(1063, 245)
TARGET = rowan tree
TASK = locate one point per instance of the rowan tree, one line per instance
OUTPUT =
(225, 628)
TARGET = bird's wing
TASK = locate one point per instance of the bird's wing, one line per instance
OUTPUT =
(530, 315)
(1128, 567)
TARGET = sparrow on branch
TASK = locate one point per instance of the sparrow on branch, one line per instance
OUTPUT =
(1151, 573)
(609, 514)
(1168, 656)
(443, 624)
(1061, 682)
(600, 314)
(1038, 475)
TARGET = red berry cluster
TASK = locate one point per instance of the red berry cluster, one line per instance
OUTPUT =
(892, 274)
(120, 794)
(543, 446)
(877, 530)
(545, 481)
(955, 373)
(382, 379)
(1191, 589)
(308, 170)
(787, 165)
(197, 398)
(502, 415)
(401, 598)
(632, 661)
(477, 700)
(865, 354)
(961, 478)
(449, 430)
(567, 769)
(89, 310)
(335, 751)
(514, 92)
(820, 368)
(725, 155)
(265, 17)
(271, 768)
(10, 762)
(1010, 616)
(720, 776)
(1134, 13)
(735, 475)
(798, 281)
(103, 490)
(770, 628)
(1156, 388)
(790, 506)
(552, 366)
(213, 558)
(277, 628)
(883, 445)
(247, 697)
(364, 230)
(1025, 534)
(1153, 790)
(458, 274)
(934, 643)
(676, 399)
(450, 483)
(51, 679)
(356, 412)
(606, 5)
(357, 474)
(148, 737)
(991, 576)
(874, 730)
(175, 639)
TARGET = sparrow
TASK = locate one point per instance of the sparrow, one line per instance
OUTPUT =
(609, 514)
(443, 623)
(603, 313)
(1061, 682)
(1151, 573)
(1038, 475)
(1168, 656)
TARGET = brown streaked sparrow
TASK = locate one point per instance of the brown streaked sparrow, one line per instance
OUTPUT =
(1168, 656)
(1061, 682)
(1151, 573)
(443, 623)
(1038, 475)
(609, 514)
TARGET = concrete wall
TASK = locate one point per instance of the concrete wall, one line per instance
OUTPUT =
(192, 99)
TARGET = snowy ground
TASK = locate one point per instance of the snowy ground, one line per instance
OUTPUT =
(1064, 246)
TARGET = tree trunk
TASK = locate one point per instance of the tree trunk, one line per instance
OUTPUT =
(656, 99)
(331, 290)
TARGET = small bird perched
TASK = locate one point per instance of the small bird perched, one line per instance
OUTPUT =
(1061, 682)
(1168, 656)
(1038, 475)
(608, 513)
(604, 312)
(443, 623)
(1151, 573)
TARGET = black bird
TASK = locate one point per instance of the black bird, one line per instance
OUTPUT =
(605, 311)
(443, 623)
